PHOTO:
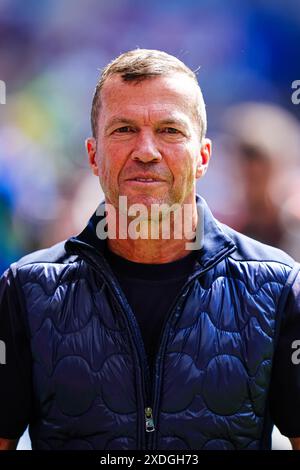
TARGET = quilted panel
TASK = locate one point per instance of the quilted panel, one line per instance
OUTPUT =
(221, 347)
(84, 376)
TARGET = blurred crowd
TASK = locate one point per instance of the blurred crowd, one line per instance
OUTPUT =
(51, 53)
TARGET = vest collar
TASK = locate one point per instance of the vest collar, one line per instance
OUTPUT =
(214, 243)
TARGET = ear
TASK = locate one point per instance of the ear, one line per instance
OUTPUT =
(204, 157)
(91, 147)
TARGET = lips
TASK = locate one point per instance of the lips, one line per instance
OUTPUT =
(145, 179)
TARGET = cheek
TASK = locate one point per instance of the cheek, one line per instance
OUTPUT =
(109, 163)
(185, 165)
(192, 160)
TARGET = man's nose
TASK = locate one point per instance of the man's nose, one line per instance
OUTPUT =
(145, 149)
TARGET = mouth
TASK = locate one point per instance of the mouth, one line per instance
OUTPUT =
(145, 180)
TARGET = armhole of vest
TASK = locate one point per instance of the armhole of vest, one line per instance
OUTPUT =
(266, 438)
(21, 300)
(283, 299)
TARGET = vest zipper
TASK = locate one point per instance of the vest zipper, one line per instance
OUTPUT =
(149, 419)
(146, 383)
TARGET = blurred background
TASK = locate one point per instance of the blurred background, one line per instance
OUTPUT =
(50, 56)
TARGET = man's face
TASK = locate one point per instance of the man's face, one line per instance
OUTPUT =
(148, 143)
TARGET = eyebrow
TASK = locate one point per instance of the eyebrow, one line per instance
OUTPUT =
(131, 122)
(176, 121)
(119, 120)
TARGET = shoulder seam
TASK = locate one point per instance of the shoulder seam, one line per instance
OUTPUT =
(76, 259)
(263, 261)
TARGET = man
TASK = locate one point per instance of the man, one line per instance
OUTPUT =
(144, 342)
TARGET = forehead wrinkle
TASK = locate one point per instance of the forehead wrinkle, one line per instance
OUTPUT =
(172, 118)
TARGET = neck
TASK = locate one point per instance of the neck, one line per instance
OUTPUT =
(173, 233)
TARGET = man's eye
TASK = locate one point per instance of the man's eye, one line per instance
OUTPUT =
(124, 129)
(171, 130)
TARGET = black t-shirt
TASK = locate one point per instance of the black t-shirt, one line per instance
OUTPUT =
(150, 291)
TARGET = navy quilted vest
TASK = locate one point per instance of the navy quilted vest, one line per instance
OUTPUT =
(212, 371)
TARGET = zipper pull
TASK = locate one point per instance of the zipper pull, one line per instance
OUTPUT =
(149, 420)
